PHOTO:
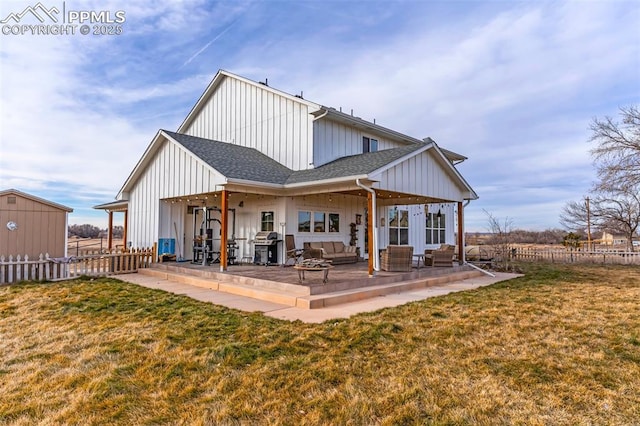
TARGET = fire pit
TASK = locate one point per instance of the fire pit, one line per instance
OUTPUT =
(313, 265)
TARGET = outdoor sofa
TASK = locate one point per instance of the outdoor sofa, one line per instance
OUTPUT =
(335, 251)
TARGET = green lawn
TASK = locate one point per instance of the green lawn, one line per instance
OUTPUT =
(558, 346)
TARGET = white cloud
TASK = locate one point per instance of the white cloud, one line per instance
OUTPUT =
(511, 86)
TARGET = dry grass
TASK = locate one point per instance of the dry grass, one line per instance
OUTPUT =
(559, 346)
(77, 246)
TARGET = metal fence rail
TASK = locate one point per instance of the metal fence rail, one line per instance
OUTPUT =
(45, 268)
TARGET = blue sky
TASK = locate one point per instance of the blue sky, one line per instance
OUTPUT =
(511, 85)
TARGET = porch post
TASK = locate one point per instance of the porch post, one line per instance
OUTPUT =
(110, 232)
(460, 233)
(124, 232)
(224, 218)
(370, 232)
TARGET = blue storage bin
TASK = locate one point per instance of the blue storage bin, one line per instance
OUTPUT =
(166, 246)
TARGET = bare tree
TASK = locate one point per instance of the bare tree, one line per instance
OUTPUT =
(501, 240)
(615, 203)
(118, 231)
(84, 231)
(574, 216)
(614, 211)
(618, 212)
(617, 150)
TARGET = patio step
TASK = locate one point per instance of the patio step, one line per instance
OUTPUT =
(295, 295)
(354, 295)
(274, 295)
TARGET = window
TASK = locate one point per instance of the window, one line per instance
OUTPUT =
(11, 200)
(319, 223)
(398, 226)
(266, 223)
(334, 222)
(436, 228)
(304, 221)
(369, 144)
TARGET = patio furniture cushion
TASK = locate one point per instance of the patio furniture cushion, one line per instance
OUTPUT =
(336, 251)
(397, 258)
(443, 256)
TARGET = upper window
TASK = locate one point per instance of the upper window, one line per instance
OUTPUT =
(436, 228)
(266, 223)
(398, 226)
(369, 144)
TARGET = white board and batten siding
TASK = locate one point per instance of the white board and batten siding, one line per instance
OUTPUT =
(172, 172)
(333, 140)
(247, 114)
(418, 225)
(346, 206)
(420, 175)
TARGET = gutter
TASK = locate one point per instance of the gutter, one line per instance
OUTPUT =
(329, 181)
(376, 258)
(252, 183)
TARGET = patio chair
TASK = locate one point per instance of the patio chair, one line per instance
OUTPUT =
(291, 250)
(397, 258)
(443, 256)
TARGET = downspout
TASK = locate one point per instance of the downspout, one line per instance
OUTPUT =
(326, 111)
(464, 257)
(312, 158)
(376, 259)
(464, 254)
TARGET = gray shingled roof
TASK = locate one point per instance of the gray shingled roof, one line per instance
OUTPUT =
(234, 161)
(353, 165)
(239, 162)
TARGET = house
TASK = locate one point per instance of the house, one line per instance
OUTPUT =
(249, 158)
(609, 239)
(32, 226)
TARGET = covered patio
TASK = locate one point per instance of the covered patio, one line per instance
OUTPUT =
(239, 229)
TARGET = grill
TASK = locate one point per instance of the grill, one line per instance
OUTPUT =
(266, 248)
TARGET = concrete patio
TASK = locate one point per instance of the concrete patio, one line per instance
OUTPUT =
(277, 292)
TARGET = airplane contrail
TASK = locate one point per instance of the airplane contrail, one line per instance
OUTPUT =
(195, 55)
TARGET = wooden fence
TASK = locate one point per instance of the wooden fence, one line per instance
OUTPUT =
(17, 269)
(563, 255)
